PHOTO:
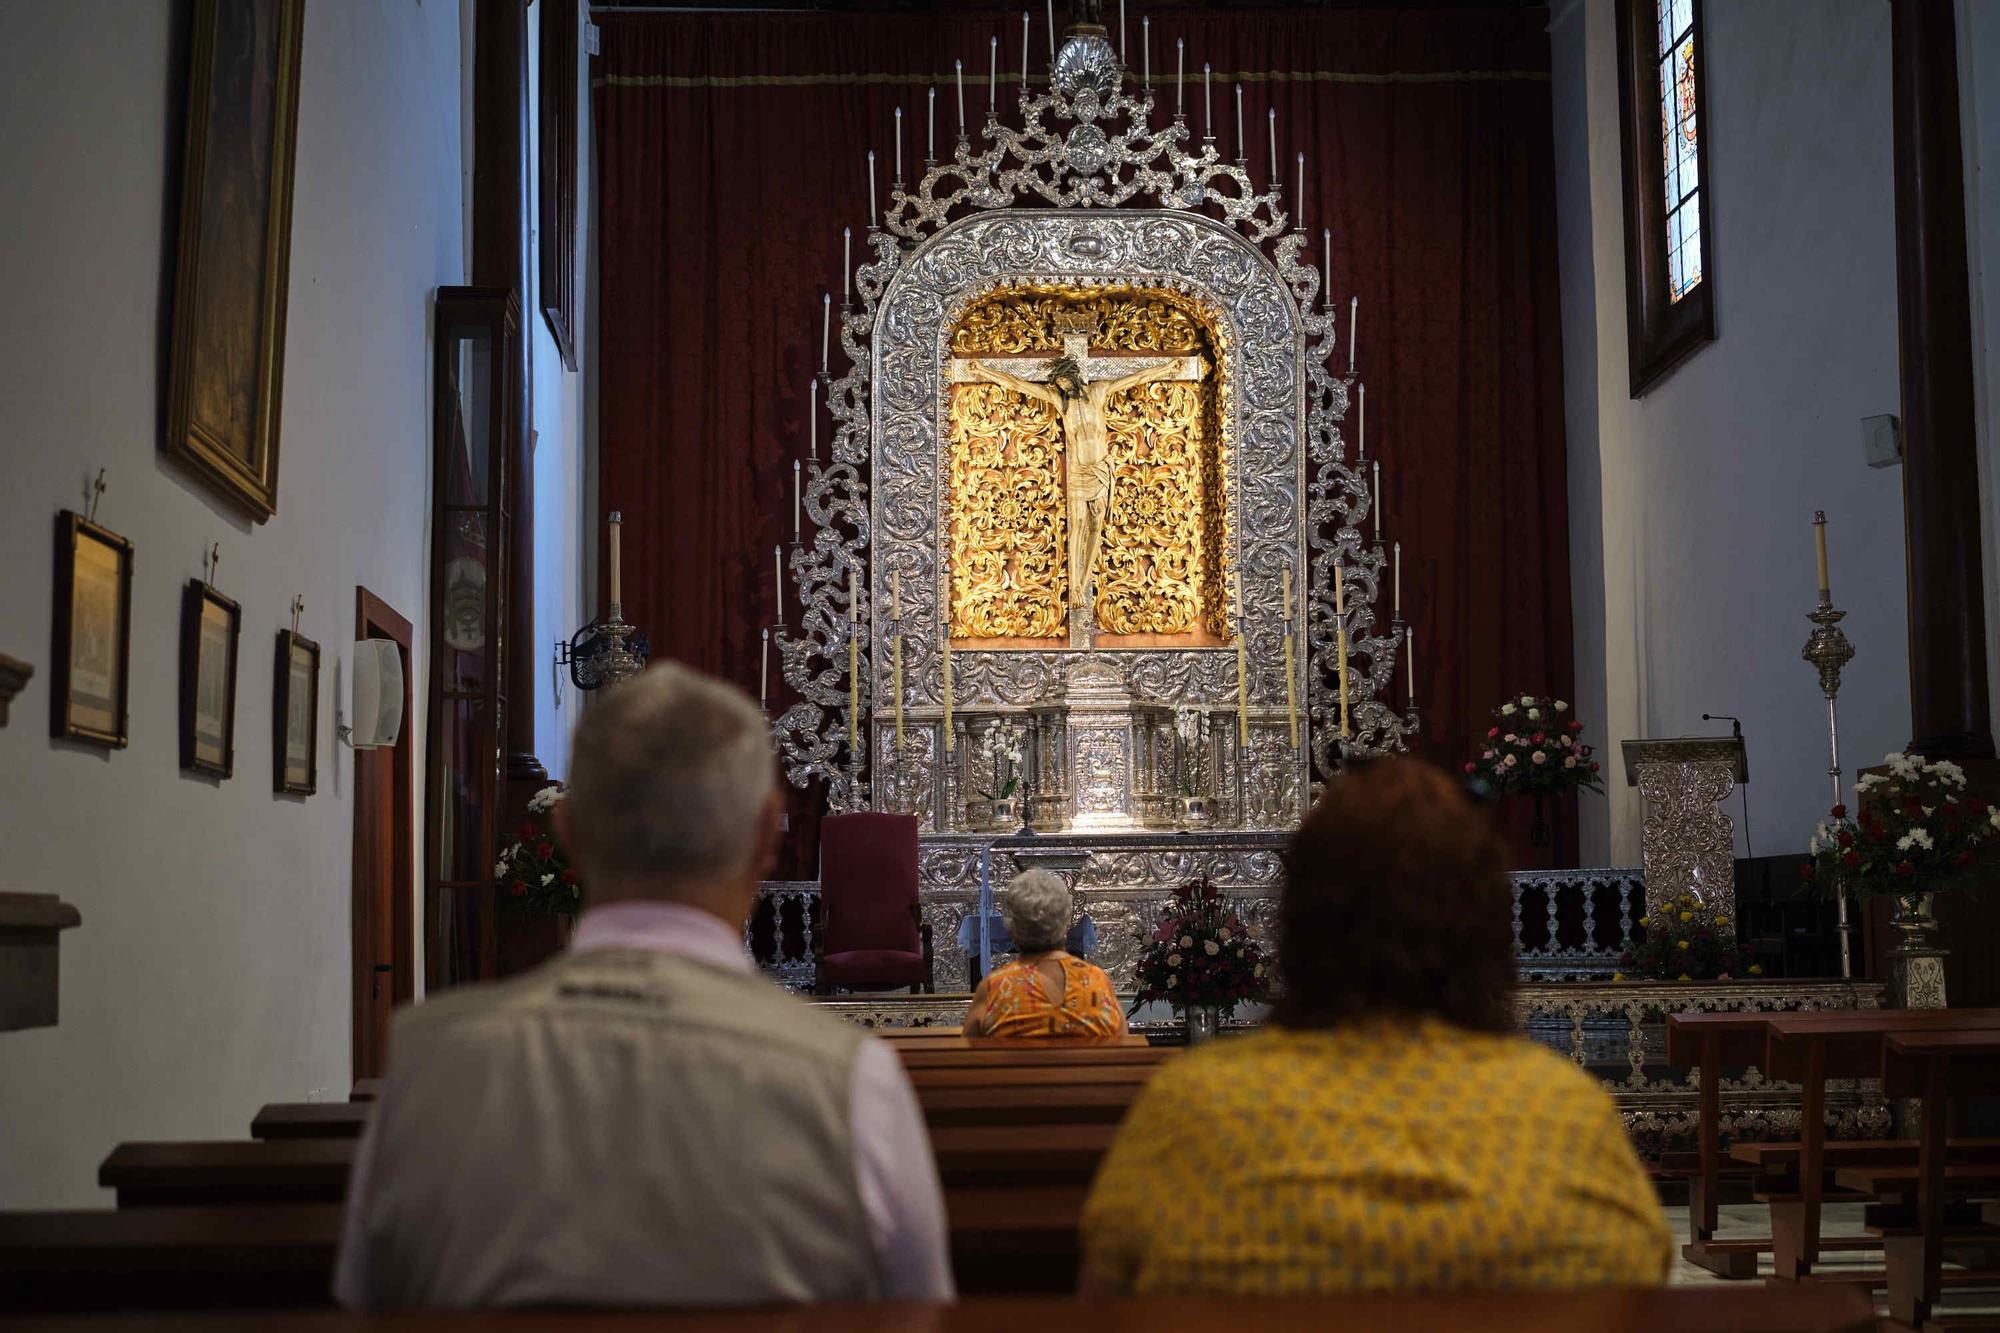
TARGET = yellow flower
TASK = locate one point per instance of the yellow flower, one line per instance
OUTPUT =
(1756, 970)
(1618, 976)
(1682, 945)
(1685, 977)
(1642, 920)
(1722, 921)
(1687, 916)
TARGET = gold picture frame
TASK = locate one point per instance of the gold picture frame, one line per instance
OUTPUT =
(295, 716)
(91, 663)
(231, 275)
(211, 624)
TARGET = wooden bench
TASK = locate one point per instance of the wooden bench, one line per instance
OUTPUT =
(280, 1171)
(1032, 1076)
(311, 1120)
(1088, 1103)
(1016, 1056)
(987, 1156)
(1638, 1310)
(153, 1258)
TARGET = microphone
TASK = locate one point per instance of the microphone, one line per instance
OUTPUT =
(1736, 729)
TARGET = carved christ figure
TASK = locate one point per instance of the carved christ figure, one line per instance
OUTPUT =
(1079, 405)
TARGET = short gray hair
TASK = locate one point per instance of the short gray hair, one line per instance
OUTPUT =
(669, 773)
(1035, 909)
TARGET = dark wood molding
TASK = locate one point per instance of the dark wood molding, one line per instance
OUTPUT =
(376, 619)
(1660, 332)
(500, 258)
(556, 95)
(31, 926)
(14, 675)
(1949, 708)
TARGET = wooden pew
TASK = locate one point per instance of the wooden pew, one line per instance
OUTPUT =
(1632, 1310)
(153, 1258)
(989, 1156)
(1017, 1056)
(1015, 1240)
(1032, 1076)
(1088, 1103)
(311, 1120)
(178, 1174)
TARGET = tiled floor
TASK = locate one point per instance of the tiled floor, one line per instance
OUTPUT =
(1840, 1219)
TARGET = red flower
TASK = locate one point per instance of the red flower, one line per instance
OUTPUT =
(1904, 870)
(1840, 811)
(1851, 859)
(1539, 737)
(527, 830)
(1575, 725)
(1805, 870)
(1964, 859)
(517, 888)
(1471, 767)
(545, 849)
(1492, 732)
(1845, 838)
(569, 876)
(1593, 766)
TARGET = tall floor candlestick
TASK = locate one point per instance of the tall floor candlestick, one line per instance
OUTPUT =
(1828, 649)
(615, 526)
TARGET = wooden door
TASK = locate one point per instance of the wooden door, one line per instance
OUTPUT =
(384, 876)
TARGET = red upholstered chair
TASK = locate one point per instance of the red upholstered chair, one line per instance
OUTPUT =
(872, 935)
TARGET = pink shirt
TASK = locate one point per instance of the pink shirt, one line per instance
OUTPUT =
(893, 1166)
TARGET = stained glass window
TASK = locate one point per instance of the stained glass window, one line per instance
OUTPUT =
(1679, 136)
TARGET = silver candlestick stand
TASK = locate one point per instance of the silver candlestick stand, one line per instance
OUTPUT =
(1828, 650)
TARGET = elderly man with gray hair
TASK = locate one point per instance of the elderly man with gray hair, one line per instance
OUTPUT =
(1045, 991)
(645, 1120)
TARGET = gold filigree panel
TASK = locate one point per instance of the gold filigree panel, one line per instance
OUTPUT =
(1161, 563)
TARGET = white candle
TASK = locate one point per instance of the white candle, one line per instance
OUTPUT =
(1299, 200)
(764, 672)
(1353, 315)
(795, 500)
(1375, 497)
(946, 643)
(1207, 102)
(1340, 644)
(825, 328)
(1326, 293)
(1361, 429)
(896, 667)
(1242, 682)
(1291, 686)
(617, 525)
(958, 75)
(897, 179)
(873, 214)
(895, 595)
(992, 76)
(846, 266)
(1146, 54)
(1241, 153)
(812, 420)
(1121, 31)
(854, 660)
(1396, 612)
(1272, 116)
(1180, 75)
(1052, 29)
(1024, 55)
(1410, 661)
(930, 125)
(778, 579)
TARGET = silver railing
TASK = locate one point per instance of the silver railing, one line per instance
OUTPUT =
(1569, 925)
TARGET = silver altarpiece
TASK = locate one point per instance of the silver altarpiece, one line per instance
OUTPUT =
(1096, 191)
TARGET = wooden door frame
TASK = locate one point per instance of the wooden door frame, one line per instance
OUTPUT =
(374, 618)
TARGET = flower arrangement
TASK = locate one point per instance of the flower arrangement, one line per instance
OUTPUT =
(534, 877)
(1917, 832)
(1200, 955)
(1000, 748)
(1680, 947)
(1534, 746)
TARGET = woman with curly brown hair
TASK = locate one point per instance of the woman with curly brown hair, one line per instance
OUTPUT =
(1391, 1128)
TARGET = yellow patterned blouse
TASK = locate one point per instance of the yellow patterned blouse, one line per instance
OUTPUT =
(1371, 1157)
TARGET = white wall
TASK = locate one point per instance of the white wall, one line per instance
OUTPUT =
(211, 972)
(1690, 506)
(559, 448)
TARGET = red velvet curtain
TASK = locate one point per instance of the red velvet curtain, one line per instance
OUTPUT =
(731, 153)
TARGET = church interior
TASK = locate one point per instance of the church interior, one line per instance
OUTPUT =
(1368, 632)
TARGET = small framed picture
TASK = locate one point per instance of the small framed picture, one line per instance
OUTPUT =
(295, 715)
(210, 624)
(93, 634)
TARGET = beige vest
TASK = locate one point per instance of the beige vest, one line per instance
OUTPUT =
(618, 1128)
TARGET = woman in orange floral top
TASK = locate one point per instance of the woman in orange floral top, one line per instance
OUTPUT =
(1045, 992)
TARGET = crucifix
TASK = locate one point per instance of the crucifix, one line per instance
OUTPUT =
(1078, 386)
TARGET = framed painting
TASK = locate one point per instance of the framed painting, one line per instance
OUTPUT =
(228, 348)
(91, 677)
(295, 715)
(210, 625)
(556, 190)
